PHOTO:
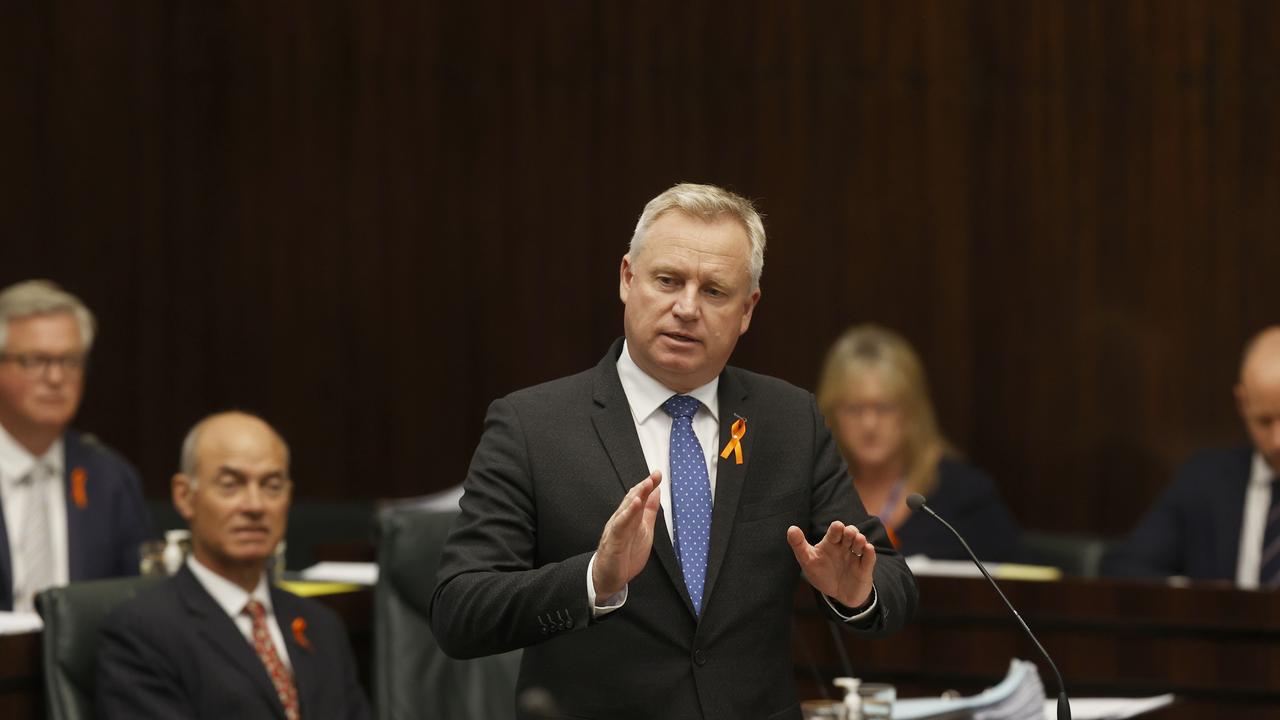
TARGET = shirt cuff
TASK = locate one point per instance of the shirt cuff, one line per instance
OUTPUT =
(837, 607)
(609, 604)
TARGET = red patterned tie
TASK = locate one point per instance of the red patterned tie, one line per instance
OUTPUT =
(280, 676)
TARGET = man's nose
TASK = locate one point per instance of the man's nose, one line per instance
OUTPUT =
(687, 307)
(251, 498)
(55, 373)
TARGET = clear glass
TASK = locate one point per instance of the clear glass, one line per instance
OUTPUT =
(824, 710)
(877, 700)
(151, 558)
(275, 564)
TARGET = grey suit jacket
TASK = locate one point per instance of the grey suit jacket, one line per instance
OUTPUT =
(554, 463)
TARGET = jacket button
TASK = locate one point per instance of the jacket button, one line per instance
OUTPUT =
(699, 658)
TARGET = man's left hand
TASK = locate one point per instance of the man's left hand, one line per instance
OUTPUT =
(840, 566)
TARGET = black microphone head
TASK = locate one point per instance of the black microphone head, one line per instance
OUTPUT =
(915, 501)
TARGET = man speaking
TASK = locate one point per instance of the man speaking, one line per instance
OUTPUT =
(639, 527)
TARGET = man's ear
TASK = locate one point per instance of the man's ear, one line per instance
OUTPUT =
(180, 488)
(752, 299)
(625, 276)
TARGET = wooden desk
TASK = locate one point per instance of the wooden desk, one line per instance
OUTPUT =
(21, 684)
(1217, 648)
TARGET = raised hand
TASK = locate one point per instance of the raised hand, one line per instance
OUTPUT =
(840, 566)
(627, 538)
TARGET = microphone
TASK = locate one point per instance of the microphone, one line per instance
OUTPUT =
(915, 501)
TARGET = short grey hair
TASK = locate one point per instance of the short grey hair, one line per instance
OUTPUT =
(43, 297)
(706, 203)
(189, 461)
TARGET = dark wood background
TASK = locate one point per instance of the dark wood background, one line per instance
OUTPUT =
(367, 220)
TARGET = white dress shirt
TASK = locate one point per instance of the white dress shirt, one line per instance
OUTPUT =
(1257, 503)
(232, 599)
(645, 396)
(15, 464)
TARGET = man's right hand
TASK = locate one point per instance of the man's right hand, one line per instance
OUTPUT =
(627, 538)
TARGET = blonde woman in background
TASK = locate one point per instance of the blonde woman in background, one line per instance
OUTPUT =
(875, 398)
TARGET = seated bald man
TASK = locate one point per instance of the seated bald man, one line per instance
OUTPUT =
(217, 640)
(1220, 519)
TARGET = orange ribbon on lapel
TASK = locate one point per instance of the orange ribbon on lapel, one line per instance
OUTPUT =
(300, 632)
(735, 442)
(78, 492)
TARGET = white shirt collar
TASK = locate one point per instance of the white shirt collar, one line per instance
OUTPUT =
(1261, 473)
(16, 461)
(230, 597)
(646, 395)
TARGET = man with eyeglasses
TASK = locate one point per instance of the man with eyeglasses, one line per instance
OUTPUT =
(216, 640)
(72, 508)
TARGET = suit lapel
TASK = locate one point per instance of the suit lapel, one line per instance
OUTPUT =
(617, 432)
(6, 572)
(1233, 486)
(221, 633)
(729, 475)
(294, 622)
(73, 456)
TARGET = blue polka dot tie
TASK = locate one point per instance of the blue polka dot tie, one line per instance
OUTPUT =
(690, 496)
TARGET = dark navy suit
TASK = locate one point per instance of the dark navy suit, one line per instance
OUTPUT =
(968, 499)
(105, 529)
(173, 652)
(1194, 528)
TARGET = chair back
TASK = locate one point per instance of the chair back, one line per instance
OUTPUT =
(72, 617)
(1078, 555)
(413, 678)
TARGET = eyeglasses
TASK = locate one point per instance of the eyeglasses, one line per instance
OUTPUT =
(37, 365)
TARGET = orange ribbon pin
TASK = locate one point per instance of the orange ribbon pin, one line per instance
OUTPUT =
(78, 492)
(300, 632)
(735, 442)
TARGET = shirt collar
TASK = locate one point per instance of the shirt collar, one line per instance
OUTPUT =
(230, 597)
(1261, 473)
(16, 461)
(645, 395)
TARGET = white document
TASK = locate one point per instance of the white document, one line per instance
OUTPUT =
(356, 573)
(1108, 708)
(17, 623)
(924, 566)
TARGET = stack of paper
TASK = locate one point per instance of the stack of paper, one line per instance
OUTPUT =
(1020, 696)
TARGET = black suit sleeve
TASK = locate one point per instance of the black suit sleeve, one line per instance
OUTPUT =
(354, 704)
(136, 681)
(134, 524)
(835, 499)
(1157, 546)
(490, 598)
